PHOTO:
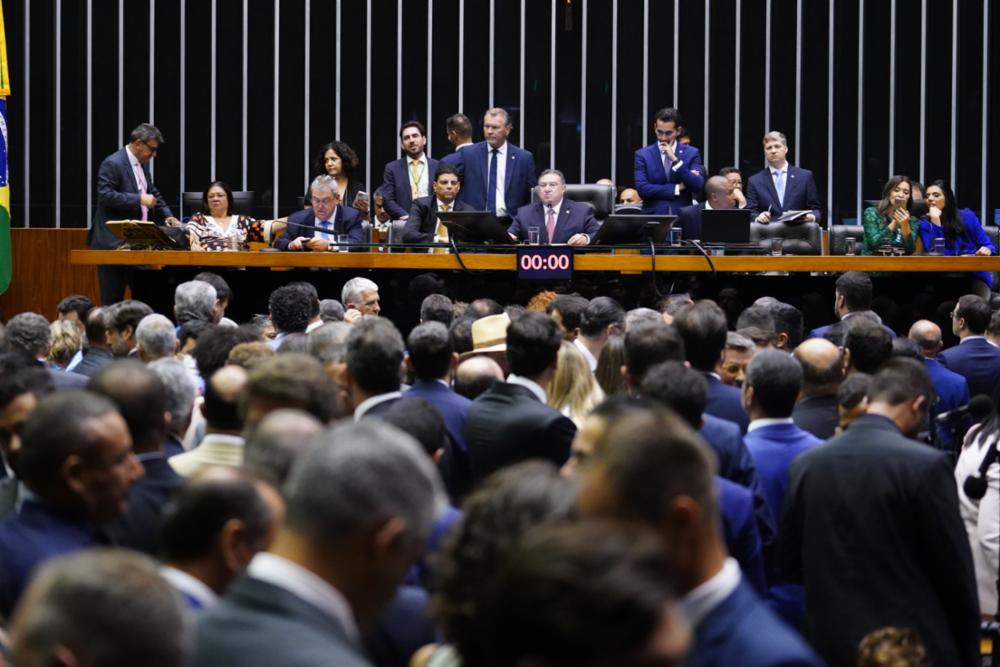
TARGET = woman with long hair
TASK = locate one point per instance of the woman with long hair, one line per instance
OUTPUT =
(573, 389)
(339, 160)
(960, 229)
(889, 223)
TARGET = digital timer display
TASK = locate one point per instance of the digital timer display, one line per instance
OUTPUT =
(545, 263)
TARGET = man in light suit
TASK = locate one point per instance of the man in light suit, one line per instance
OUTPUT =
(125, 191)
(668, 173)
(410, 176)
(653, 468)
(360, 505)
(871, 527)
(423, 226)
(974, 357)
(497, 176)
(718, 196)
(558, 220)
(782, 187)
(316, 228)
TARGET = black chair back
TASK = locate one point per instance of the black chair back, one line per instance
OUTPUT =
(242, 202)
(840, 233)
(799, 239)
(600, 197)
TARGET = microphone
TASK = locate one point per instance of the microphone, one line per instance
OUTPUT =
(975, 485)
(978, 407)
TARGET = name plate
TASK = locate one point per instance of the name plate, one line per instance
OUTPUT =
(543, 262)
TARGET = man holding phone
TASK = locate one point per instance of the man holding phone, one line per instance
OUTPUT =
(317, 228)
(410, 176)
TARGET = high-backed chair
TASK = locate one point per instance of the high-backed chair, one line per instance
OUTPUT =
(242, 202)
(600, 197)
(839, 235)
(800, 239)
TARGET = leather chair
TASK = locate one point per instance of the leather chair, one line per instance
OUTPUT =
(994, 234)
(600, 197)
(800, 239)
(242, 202)
(839, 234)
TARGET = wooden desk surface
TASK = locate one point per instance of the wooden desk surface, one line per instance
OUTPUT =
(628, 263)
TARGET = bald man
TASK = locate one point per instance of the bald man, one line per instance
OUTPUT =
(477, 374)
(822, 372)
(952, 389)
(718, 196)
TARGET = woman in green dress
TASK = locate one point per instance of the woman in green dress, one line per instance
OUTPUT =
(889, 224)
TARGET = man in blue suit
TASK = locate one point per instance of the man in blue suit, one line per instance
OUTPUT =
(558, 220)
(651, 467)
(668, 173)
(782, 187)
(459, 129)
(852, 298)
(410, 176)
(974, 358)
(952, 389)
(316, 228)
(497, 176)
(125, 191)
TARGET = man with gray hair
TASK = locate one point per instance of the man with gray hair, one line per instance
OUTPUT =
(781, 187)
(277, 442)
(317, 228)
(30, 336)
(735, 357)
(359, 510)
(360, 294)
(155, 338)
(195, 300)
(125, 191)
(181, 394)
(497, 176)
(100, 607)
(555, 218)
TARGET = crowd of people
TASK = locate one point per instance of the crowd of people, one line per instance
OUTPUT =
(561, 483)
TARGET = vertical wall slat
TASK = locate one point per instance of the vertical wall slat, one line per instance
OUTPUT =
(984, 178)
(583, 94)
(614, 91)
(892, 87)
(276, 104)
(861, 104)
(57, 138)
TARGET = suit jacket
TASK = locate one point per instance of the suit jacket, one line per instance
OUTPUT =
(507, 424)
(403, 627)
(819, 332)
(658, 186)
(422, 223)
(118, 199)
(573, 218)
(10, 494)
(817, 415)
(725, 402)
(739, 528)
(258, 624)
(978, 361)
(454, 408)
(397, 195)
(94, 359)
(871, 526)
(473, 167)
(800, 193)
(742, 631)
(139, 527)
(33, 535)
(346, 220)
(952, 391)
(689, 221)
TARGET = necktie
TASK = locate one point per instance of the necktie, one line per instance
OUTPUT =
(140, 179)
(550, 226)
(325, 227)
(491, 183)
(416, 171)
(442, 231)
(779, 186)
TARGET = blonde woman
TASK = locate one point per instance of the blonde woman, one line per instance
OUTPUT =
(573, 389)
(66, 342)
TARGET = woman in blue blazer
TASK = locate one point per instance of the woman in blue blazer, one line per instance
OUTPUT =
(960, 229)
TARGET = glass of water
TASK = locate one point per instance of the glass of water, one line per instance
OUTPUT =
(850, 246)
(342, 241)
(534, 235)
(776, 246)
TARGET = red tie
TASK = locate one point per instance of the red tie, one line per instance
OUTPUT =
(550, 227)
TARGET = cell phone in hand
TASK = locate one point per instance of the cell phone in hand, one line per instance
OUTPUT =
(362, 196)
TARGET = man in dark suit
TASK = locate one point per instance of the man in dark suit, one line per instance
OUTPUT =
(871, 526)
(30, 341)
(718, 196)
(125, 191)
(952, 389)
(316, 228)
(98, 352)
(20, 392)
(374, 354)
(459, 129)
(77, 461)
(359, 510)
(782, 187)
(852, 297)
(668, 173)
(974, 358)
(423, 226)
(511, 422)
(497, 176)
(652, 467)
(410, 176)
(822, 372)
(141, 400)
(703, 327)
(557, 219)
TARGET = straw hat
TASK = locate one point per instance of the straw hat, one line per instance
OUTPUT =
(489, 334)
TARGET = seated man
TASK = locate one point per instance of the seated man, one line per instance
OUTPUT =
(423, 225)
(718, 196)
(316, 228)
(558, 220)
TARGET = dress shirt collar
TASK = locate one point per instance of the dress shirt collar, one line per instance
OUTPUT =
(967, 338)
(372, 401)
(556, 207)
(587, 354)
(535, 388)
(467, 143)
(314, 325)
(190, 586)
(302, 583)
(422, 160)
(708, 206)
(776, 170)
(770, 421)
(444, 382)
(451, 205)
(132, 159)
(501, 151)
(700, 602)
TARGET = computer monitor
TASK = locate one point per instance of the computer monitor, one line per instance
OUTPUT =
(725, 225)
(481, 227)
(626, 229)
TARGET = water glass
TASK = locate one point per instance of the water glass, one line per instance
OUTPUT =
(342, 241)
(534, 235)
(675, 236)
(938, 248)
(776, 244)
(850, 246)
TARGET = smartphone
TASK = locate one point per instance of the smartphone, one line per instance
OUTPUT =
(362, 196)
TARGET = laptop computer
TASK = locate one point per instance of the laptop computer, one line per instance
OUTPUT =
(726, 226)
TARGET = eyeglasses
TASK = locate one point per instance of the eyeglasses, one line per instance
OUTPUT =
(152, 149)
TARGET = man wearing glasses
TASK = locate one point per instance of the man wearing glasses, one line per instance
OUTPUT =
(125, 191)
(668, 172)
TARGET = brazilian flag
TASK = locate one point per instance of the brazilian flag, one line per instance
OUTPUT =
(5, 254)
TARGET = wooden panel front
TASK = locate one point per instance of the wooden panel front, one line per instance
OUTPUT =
(43, 274)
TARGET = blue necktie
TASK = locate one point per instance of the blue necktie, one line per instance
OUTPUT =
(491, 183)
(325, 229)
(779, 186)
